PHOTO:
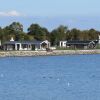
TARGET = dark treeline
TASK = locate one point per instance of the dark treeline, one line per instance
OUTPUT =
(36, 32)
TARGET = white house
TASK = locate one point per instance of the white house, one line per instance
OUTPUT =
(99, 40)
(26, 45)
(63, 44)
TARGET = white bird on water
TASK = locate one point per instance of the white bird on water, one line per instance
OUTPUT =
(68, 84)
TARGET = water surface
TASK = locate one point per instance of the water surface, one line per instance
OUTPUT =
(50, 78)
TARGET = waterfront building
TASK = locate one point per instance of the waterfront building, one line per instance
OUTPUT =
(62, 44)
(78, 44)
(99, 40)
(26, 45)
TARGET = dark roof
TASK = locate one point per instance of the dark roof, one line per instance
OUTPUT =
(80, 42)
(23, 42)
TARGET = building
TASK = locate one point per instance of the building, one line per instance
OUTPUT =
(63, 44)
(78, 44)
(25, 45)
(99, 40)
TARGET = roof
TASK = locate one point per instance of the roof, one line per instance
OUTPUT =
(23, 42)
(80, 42)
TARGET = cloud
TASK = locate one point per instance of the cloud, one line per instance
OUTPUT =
(12, 13)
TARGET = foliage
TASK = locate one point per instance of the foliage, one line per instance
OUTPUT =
(58, 34)
(35, 31)
(38, 32)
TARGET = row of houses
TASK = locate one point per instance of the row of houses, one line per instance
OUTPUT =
(44, 45)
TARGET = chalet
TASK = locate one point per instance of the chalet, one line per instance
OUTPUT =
(26, 45)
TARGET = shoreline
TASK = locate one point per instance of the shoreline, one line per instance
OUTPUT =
(45, 53)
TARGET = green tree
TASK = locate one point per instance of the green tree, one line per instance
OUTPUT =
(58, 34)
(1, 34)
(75, 34)
(38, 32)
(16, 27)
(14, 30)
(93, 34)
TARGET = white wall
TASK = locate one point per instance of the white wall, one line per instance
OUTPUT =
(63, 44)
(99, 39)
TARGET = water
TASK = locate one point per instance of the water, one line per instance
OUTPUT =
(50, 78)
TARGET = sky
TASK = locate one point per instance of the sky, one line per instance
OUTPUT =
(82, 14)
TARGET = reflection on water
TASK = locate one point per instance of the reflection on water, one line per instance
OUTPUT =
(50, 78)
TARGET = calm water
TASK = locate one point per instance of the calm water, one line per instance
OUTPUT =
(50, 78)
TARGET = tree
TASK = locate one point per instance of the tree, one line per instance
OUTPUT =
(1, 34)
(14, 30)
(59, 34)
(16, 26)
(75, 33)
(93, 34)
(35, 31)
(54, 37)
(38, 32)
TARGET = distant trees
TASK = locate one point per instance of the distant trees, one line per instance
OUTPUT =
(1, 34)
(63, 33)
(35, 31)
(38, 32)
(14, 30)
(58, 34)
(93, 34)
(16, 27)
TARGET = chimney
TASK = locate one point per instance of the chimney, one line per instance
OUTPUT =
(12, 39)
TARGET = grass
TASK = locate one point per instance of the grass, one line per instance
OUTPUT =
(59, 48)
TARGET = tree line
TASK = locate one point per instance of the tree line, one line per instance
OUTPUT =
(37, 32)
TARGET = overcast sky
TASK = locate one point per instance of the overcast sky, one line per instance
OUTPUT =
(82, 14)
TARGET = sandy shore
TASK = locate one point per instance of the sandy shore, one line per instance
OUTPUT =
(44, 53)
